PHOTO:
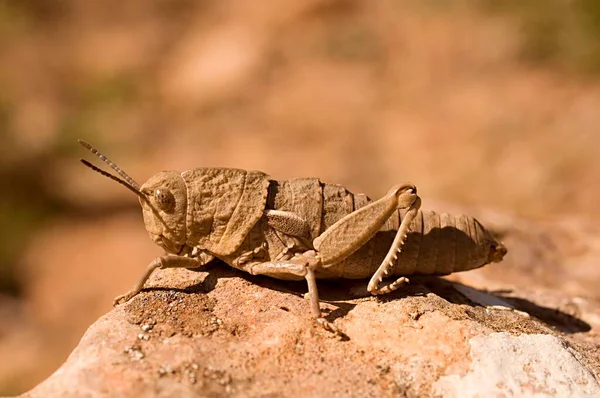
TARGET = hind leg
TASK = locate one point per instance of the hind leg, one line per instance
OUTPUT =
(392, 255)
(351, 232)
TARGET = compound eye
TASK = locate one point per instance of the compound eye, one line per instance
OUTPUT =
(164, 199)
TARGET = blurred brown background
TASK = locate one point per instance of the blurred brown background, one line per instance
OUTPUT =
(479, 104)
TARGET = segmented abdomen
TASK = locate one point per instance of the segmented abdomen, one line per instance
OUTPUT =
(441, 243)
(437, 244)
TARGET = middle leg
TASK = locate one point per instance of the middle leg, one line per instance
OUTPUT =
(300, 266)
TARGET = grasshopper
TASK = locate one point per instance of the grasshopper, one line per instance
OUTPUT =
(300, 229)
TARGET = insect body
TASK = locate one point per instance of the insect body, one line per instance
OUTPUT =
(300, 229)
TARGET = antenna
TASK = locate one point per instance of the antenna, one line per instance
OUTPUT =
(127, 181)
(112, 177)
(112, 165)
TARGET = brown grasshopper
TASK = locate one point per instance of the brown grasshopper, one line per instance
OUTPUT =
(300, 229)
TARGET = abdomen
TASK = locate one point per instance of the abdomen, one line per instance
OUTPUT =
(437, 244)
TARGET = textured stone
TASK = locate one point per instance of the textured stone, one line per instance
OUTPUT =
(526, 365)
(507, 329)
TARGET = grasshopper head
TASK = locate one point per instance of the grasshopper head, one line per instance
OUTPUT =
(164, 202)
(164, 206)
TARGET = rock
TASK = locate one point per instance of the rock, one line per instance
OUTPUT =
(222, 332)
(525, 327)
(523, 365)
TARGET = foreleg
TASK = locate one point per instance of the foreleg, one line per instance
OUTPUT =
(162, 262)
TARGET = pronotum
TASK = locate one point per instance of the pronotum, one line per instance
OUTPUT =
(300, 229)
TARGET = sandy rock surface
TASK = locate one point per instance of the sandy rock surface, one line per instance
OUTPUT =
(224, 333)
